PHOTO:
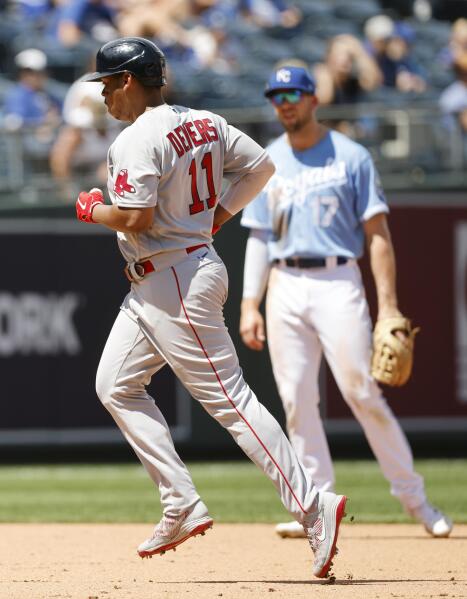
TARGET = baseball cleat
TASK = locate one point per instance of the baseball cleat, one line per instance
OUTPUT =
(291, 530)
(435, 522)
(172, 531)
(323, 532)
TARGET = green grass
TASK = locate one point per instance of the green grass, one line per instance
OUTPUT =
(234, 492)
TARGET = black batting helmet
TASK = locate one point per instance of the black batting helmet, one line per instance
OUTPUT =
(139, 56)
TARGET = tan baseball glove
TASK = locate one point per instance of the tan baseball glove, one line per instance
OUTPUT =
(392, 358)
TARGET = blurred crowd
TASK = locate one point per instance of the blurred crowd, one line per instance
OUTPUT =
(219, 54)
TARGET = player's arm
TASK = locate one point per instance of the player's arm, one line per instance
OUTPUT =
(125, 220)
(90, 208)
(247, 167)
(136, 201)
(221, 216)
(255, 278)
(383, 264)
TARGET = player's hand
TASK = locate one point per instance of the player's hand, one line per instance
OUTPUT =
(385, 312)
(86, 203)
(252, 328)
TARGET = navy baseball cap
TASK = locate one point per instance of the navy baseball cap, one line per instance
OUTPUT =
(290, 78)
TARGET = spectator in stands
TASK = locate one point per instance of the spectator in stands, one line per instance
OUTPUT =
(270, 13)
(214, 12)
(400, 70)
(76, 21)
(162, 19)
(190, 32)
(153, 18)
(453, 100)
(457, 46)
(347, 73)
(377, 31)
(214, 16)
(84, 138)
(390, 44)
(27, 103)
(33, 10)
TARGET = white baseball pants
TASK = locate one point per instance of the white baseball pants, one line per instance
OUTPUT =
(175, 316)
(324, 310)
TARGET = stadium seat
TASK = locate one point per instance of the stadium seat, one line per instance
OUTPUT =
(63, 64)
(357, 11)
(5, 85)
(261, 47)
(440, 77)
(436, 32)
(327, 29)
(283, 33)
(386, 96)
(316, 10)
(309, 48)
(11, 161)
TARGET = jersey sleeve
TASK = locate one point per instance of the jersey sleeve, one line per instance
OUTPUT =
(136, 171)
(242, 154)
(257, 215)
(247, 167)
(257, 266)
(370, 199)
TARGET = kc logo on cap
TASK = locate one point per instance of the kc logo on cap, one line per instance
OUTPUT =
(283, 75)
(289, 77)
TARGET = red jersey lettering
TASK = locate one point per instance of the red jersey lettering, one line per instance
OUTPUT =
(176, 144)
(192, 134)
(211, 131)
(202, 130)
(197, 141)
(184, 139)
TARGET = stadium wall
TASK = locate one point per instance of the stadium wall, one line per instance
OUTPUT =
(61, 290)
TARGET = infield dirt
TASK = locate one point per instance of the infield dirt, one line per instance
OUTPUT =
(232, 561)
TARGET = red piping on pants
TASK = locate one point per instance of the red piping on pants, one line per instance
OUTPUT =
(227, 395)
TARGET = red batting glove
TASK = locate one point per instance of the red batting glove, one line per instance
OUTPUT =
(214, 229)
(86, 202)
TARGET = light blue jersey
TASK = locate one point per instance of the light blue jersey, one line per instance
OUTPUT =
(317, 200)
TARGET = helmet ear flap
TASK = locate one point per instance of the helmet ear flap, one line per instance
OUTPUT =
(151, 70)
(155, 72)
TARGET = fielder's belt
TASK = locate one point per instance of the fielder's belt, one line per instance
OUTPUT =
(298, 262)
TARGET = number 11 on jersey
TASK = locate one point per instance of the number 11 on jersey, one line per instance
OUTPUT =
(199, 205)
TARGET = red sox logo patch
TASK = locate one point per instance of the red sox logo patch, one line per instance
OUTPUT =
(122, 185)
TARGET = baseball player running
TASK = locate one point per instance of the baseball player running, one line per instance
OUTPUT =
(308, 227)
(165, 174)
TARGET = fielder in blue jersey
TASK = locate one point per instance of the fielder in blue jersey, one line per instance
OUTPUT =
(308, 228)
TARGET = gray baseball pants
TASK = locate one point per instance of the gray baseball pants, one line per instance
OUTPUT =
(175, 316)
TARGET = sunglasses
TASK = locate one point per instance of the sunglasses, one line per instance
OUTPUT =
(292, 97)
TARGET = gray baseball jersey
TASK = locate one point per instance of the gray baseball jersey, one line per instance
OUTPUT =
(174, 158)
